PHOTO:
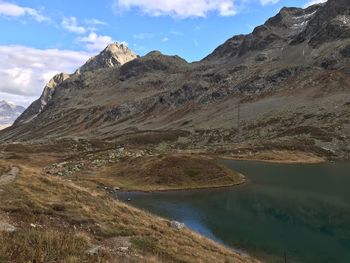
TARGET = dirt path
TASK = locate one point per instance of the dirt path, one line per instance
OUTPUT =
(5, 179)
(9, 176)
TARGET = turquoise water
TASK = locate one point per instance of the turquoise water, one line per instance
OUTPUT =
(301, 211)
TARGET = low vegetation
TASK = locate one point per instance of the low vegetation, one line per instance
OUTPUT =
(43, 246)
(66, 219)
(166, 172)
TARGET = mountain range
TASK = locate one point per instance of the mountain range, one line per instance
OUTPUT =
(9, 113)
(284, 86)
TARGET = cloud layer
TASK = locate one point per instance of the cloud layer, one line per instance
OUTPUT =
(178, 8)
(12, 10)
(27, 75)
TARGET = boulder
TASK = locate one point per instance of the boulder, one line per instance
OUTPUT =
(177, 225)
(93, 250)
(5, 227)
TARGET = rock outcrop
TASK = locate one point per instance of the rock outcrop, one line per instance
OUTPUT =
(37, 106)
(114, 55)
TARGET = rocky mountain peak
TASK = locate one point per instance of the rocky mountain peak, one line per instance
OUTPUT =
(9, 112)
(6, 105)
(3, 102)
(292, 18)
(113, 55)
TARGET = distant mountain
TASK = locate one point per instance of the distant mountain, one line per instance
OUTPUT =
(284, 86)
(9, 112)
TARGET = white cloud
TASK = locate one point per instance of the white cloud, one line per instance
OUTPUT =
(90, 40)
(165, 39)
(178, 8)
(95, 22)
(12, 10)
(23, 77)
(71, 25)
(95, 42)
(268, 2)
(313, 2)
(176, 33)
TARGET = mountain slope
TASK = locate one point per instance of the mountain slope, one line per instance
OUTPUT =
(114, 55)
(284, 86)
(37, 106)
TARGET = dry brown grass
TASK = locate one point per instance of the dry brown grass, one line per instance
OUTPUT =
(275, 156)
(164, 172)
(43, 246)
(62, 210)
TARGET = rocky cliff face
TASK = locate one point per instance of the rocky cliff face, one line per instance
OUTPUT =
(9, 112)
(330, 23)
(37, 106)
(114, 55)
(284, 85)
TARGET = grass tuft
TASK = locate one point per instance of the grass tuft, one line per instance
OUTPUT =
(42, 246)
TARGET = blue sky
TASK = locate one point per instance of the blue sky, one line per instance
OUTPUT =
(40, 38)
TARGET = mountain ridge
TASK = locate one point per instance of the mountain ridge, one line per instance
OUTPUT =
(284, 84)
(114, 55)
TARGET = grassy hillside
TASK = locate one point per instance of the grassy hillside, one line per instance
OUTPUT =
(60, 218)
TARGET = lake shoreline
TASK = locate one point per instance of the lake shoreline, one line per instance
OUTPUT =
(245, 181)
(279, 202)
(306, 160)
(276, 161)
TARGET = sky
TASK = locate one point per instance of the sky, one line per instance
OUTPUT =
(41, 38)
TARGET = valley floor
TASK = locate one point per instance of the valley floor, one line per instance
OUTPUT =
(56, 204)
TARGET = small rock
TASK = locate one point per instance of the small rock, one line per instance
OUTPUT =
(260, 57)
(123, 249)
(5, 227)
(93, 251)
(177, 225)
(33, 225)
(116, 188)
